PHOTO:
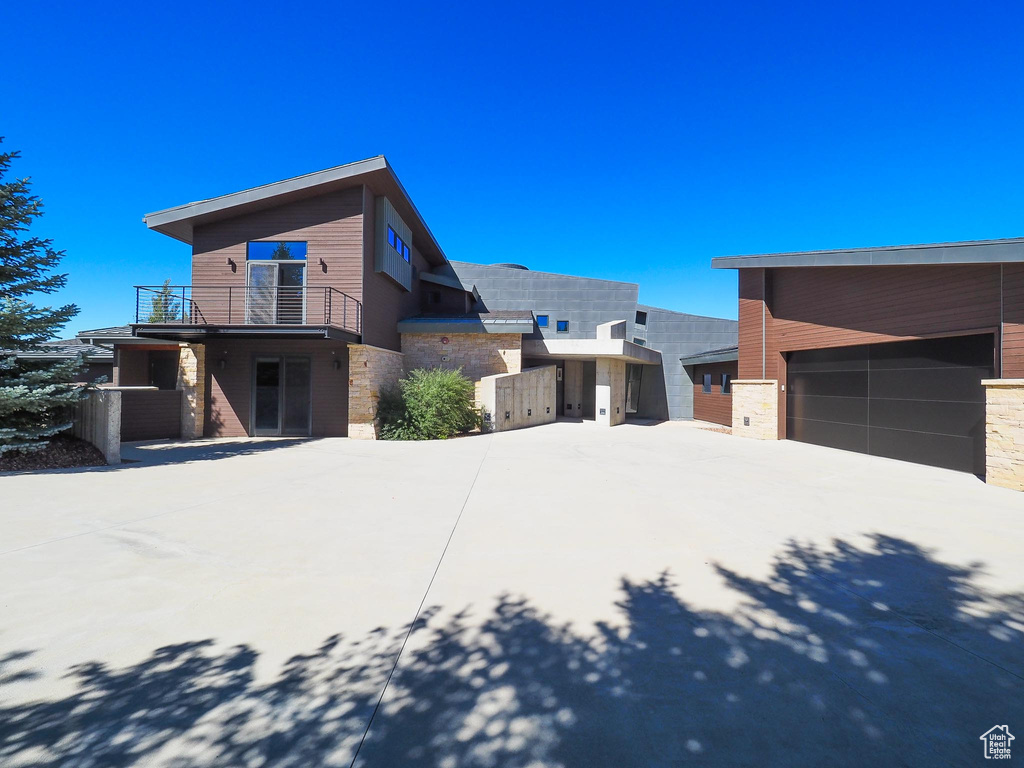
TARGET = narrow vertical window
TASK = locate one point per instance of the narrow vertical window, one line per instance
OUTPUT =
(726, 384)
(707, 384)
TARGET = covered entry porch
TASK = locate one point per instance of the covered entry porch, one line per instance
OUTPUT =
(596, 379)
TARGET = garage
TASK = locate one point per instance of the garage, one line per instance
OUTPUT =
(919, 400)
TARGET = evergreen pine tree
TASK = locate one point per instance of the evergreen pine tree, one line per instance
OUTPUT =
(164, 306)
(36, 397)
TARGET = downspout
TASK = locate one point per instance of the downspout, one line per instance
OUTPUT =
(999, 373)
(764, 305)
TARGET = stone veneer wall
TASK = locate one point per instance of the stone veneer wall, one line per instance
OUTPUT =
(478, 354)
(1004, 432)
(369, 370)
(758, 401)
(192, 383)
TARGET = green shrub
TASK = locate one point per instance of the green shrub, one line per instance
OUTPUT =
(427, 405)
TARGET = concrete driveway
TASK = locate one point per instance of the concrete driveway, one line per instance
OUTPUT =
(644, 595)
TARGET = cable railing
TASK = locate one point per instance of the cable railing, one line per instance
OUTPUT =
(247, 305)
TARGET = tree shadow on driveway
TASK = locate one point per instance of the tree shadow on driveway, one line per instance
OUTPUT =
(845, 656)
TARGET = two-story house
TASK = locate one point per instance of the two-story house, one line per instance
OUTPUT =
(309, 295)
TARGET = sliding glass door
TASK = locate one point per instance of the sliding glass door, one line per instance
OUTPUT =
(282, 396)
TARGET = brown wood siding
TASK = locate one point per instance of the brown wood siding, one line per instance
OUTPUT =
(714, 407)
(150, 414)
(842, 306)
(229, 389)
(330, 224)
(821, 307)
(1013, 321)
(751, 301)
(385, 302)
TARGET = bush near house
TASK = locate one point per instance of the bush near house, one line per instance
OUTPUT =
(427, 405)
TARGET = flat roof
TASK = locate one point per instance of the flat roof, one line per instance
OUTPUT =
(965, 252)
(475, 322)
(721, 355)
(180, 221)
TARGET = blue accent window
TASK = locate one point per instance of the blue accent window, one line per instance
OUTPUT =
(562, 326)
(398, 243)
(542, 321)
(276, 251)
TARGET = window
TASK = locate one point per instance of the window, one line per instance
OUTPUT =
(562, 326)
(542, 321)
(275, 282)
(707, 384)
(398, 243)
(434, 297)
(275, 251)
(726, 384)
(641, 318)
(640, 342)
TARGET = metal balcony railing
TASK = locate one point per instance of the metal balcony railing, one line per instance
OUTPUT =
(247, 305)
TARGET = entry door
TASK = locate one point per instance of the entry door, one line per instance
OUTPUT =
(282, 398)
(261, 293)
(918, 401)
(633, 377)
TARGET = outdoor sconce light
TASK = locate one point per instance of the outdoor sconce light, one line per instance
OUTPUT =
(223, 362)
(323, 266)
(231, 263)
(337, 364)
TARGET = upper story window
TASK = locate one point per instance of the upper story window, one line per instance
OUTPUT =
(707, 384)
(726, 384)
(275, 279)
(641, 318)
(542, 321)
(275, 251)
(562, 326)
(398, 243)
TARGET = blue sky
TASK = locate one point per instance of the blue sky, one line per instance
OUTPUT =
(629, 141)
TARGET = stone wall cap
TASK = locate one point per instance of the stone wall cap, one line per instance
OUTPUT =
(1001, 382)
(754, 381)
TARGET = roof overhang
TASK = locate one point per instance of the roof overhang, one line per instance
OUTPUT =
(590, 349)
(201, 333)
(967, 252)
(712, 356)
(376, 173)
(449, 282)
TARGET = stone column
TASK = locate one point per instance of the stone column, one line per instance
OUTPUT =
(1004, 432)
(192, 383)
(755, 408)
(610, 400)
(370, 369)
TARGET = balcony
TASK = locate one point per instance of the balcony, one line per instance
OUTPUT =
(196, 311)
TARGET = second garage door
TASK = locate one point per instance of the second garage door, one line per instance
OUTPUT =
(919, 400)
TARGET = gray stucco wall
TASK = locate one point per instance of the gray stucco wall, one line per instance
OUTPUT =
(585, 302)
(665, 392)
(676, 334)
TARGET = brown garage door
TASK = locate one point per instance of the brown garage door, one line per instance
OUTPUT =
(918, 400)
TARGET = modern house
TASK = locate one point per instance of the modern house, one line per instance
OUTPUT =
(910, 352)
(311, 294)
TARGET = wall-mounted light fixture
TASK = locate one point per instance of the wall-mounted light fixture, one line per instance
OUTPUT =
(231, 263)
(323, 266)
(337, 364)
(223, 362)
